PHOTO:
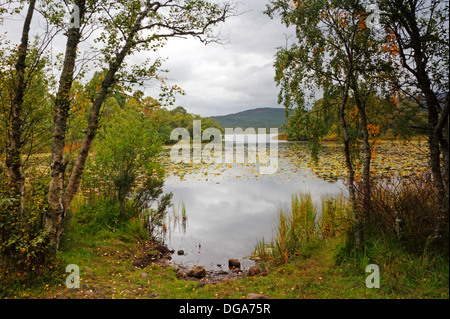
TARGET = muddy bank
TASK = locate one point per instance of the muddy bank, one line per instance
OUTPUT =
(152, 252)
(155, 253)
(210, 277)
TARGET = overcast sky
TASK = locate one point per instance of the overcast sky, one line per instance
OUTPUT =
(217, 79)
(227, 79)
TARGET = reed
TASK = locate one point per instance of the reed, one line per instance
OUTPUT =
(335, 216)
(406, 211)
(301, 224)
(178, 218)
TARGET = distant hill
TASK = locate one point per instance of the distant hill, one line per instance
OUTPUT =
(256, 118)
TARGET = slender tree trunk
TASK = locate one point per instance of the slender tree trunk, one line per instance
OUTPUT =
(77, 171)
(60, 199)
(94, 117)
(56, 211)
(438, 142)
(442, 134)
(367, 159)
(13, 154)
(348, 161)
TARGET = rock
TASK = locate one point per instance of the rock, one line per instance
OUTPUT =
(89, 289)
(253, 271)
(144, 275)
(181, 273)
(180, 252)
(234, 263)
(163, 249)
(256, 296)
(197, 271)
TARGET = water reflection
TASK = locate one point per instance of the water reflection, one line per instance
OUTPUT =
(230, 207)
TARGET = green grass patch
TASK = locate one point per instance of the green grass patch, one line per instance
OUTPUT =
(319, 265)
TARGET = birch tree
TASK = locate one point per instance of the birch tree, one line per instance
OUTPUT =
(334, 52)
(419, 31)
(127, 27)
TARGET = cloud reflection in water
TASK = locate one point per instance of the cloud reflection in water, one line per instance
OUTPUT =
(228, 215)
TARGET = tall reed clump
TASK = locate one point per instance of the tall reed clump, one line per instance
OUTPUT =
(406, 211)
(303, 223)
(399, 230)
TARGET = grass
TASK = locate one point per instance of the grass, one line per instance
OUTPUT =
(303, 223)
(320, 242)
(403, 274)
(105, 262)
(311, 257)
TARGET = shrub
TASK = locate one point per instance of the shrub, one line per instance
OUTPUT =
(404, 210)
(24, 245)
(124, 176)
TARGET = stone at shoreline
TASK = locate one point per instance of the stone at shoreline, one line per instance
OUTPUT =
(234, 263)
(256, 296)
(180, 252)
(197, 271)
(144, 275)
(254, 270)
(181, 273)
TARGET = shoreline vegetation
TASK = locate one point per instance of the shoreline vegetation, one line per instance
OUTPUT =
(116, 241)
(83, 151)
(312, 249)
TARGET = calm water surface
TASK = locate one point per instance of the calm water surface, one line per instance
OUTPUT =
(230, 206)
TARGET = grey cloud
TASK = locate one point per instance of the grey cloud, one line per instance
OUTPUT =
(217, 79)
(234, 77)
